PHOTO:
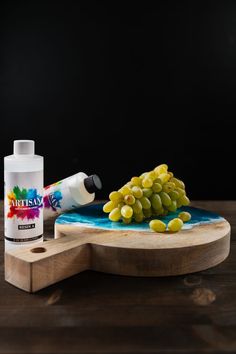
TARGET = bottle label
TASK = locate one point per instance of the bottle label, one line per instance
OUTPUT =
(23, 206)
(57, 198)
(53, 196)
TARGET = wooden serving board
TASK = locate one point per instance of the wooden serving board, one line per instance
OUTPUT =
(86, 239)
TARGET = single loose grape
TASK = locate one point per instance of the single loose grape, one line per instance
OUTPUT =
(129, 199)
(137, 192)
(173, 206)
(137, 206)
(175, 224)
(139, 217)
(126, 211)
(156, 187)
(147, 182)
(146, 204)
(126, 221)
(115, 196)
(157, 225)
(168, 187)
(156, 201)
(164, 177)
(125, 190)
(185, 216)
(136, 181)
(184, 200)
(109, 206)
(147, 192)
(147, 212)
(165, 198)
(174, 195)
(115, 214)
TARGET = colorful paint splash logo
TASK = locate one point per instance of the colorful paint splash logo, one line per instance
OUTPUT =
(24, 203)
(53, 185)
(52, 200)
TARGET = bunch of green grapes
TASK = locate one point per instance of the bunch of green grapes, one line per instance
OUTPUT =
(152, 194)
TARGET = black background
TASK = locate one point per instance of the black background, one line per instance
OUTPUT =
(115, 88)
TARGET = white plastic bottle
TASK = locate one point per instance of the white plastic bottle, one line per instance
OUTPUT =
(70, 193)
(23, 197)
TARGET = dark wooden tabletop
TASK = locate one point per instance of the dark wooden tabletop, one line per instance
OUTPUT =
(101, 313)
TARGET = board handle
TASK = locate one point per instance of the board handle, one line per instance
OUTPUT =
(34, 268)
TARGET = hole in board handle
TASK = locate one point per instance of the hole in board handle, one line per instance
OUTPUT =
(38, 250)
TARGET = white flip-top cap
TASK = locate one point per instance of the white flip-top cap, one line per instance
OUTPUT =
(23, 147)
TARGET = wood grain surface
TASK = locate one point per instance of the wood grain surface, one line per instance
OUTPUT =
(123, 252)
(100, 313)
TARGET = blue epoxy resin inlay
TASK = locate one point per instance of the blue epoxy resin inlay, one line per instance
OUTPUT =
(94, 217)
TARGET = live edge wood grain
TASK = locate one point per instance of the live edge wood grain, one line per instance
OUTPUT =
(118, 252)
